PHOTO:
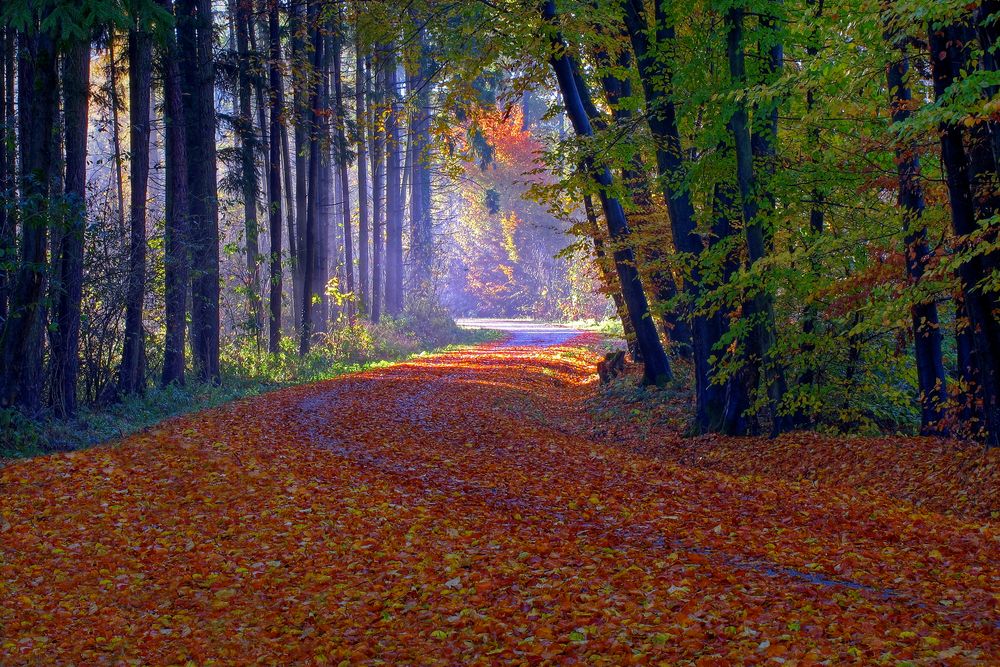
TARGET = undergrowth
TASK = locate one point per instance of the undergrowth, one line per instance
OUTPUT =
(609, 326)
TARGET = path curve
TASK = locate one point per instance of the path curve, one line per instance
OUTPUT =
(456, 510)
(524, 333)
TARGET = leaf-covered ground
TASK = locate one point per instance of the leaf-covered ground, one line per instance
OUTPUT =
(454, 510)
(961, 479)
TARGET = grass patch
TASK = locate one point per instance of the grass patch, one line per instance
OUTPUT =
(610, 326)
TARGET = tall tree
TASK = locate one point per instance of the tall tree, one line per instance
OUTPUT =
(948, 61)
(753, 149)
(248, 163)
(37, 90)
(393, 189)
(421, 239)
(343, 159)
(617, 89)
(326, 255)
(652, 45)
(301, 74)
(132, 374)
(931, 379)
(176, 258)
(576, 100)
(116, 142)
(195, 40)
(608, 275)
(8, 166)
(65, 362)
(276, 105)
(378, 184)
(312, 211)
(361, 91)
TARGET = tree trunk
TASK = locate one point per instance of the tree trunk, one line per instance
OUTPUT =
(116, 129)
(421, 229)
(290, 220)
(576, 101)
(817, 222)
(300, 123)
(194, 29)
(248, 150)
(947, 63)
(608, 276)
(64, 360)
(21, 333)
(257, 81)
(343, 165)
(931, 379)
(175, 256)
(8, 219)
(378, 187)
(616, 90)
(661, 117)
(394, 192)
(759, 308)
(132, 374)
(987, 19)
(361, 91)
(326, 255)
(276, 104)
(309, 240)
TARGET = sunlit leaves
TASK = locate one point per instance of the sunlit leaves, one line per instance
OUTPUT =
(462, 509)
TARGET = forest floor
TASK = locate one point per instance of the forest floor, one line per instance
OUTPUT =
(473, 508)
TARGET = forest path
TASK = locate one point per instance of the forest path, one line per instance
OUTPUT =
(454, 510)
(524, 333)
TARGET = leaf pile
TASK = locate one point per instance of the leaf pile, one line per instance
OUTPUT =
(951, 477)
(449, 511)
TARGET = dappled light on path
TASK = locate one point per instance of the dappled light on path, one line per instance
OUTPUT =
(450, 510)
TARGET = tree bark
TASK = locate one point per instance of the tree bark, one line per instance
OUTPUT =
(931, 379)
(64, 360)
(817, 222)
(8, 218)
(661, 117)
(987, 21)
(608, 275)
(758, 309)
(21, 333)
(394, 192)
(248, 150)
(327, 255)
(290, 220)
(361, 91)
(343, 164)
(132, 374)
(312, 211)
(175, 257)
(300, 122)
(194, 29)
(616, 90)
(421, 225)
(116, 129)
(378, 186)
(947, 63)
(276, 105)
(576, 101)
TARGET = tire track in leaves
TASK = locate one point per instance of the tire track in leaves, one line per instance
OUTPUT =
(448, 511)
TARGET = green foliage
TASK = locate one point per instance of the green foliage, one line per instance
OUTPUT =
(79, 19)
(20, 437)
(609, 326)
